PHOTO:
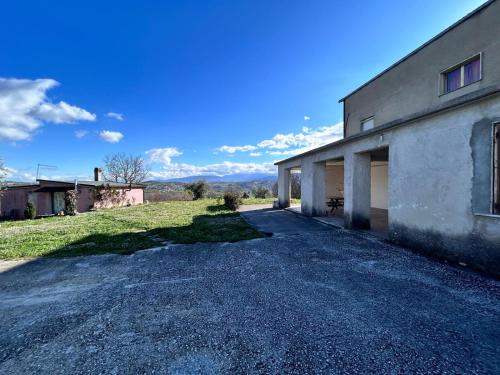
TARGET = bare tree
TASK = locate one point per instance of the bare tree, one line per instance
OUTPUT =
(125, 168)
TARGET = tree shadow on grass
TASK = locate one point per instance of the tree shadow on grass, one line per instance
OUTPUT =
(228, 227)
(216, 208)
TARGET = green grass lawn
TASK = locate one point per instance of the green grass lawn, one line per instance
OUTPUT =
(123, 230)
(265, 200)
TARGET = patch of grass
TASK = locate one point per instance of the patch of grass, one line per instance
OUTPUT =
(265, 200)
(123, 230)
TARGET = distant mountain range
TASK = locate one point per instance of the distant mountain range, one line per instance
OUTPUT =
(240, 177)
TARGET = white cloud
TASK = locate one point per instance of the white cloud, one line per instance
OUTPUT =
(307, 139)
(292, 152)
(111, 136)
(62, 113)
(24, 106)
(233, 149)
(115, 115)
(306, 118)
(81, 133)
(18, 175)
(163, 155)
(292, 143)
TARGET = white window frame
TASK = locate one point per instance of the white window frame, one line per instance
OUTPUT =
(443, 73)
(364, 121)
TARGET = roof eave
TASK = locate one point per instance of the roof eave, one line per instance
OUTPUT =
(458, 102)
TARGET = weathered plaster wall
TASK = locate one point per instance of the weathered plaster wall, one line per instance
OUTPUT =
(334, 180)
(284, 183)
(313, 188)
(414, 85)
(436, 200)
(439, 184)
(131, 197)
(85, 199)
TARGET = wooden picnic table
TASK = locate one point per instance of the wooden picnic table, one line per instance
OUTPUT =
(335, 202)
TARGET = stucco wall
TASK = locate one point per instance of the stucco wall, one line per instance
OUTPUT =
(85, 199)
(334, 180)
(131, 197)
(439, 183)
(414, 85)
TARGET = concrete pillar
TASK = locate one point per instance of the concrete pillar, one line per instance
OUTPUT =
(283, 187)
(357, 186)
(313, 188)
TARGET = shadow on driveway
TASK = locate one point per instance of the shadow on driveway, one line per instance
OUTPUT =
(268, 220)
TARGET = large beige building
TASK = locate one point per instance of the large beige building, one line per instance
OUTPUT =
(420, 154)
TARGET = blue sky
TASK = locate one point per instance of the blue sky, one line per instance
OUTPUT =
(195, 87)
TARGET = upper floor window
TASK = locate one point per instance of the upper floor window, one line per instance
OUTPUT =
(367, 124)
(496, 169)
(462, 75)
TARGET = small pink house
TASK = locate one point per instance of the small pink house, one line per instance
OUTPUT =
(48, 196)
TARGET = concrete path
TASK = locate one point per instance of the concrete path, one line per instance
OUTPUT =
(272, 221)
(318, 302)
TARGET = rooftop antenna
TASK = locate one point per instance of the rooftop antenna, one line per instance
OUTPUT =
(44, 166)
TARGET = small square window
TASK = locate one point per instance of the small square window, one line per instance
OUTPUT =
(367, 124)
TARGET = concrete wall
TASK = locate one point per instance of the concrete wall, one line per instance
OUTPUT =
(313, 188)
(439, 192)
(380, 185)
(284, 189)
(85, 199)
(414, 85)
(335, 181)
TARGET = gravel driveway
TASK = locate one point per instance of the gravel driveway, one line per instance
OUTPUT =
(315, 302)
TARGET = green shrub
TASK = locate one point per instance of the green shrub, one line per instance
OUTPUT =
(261, 192)
(232, 200)
(70, 199)
(245, 195)
(198, 188)
(30, 211)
